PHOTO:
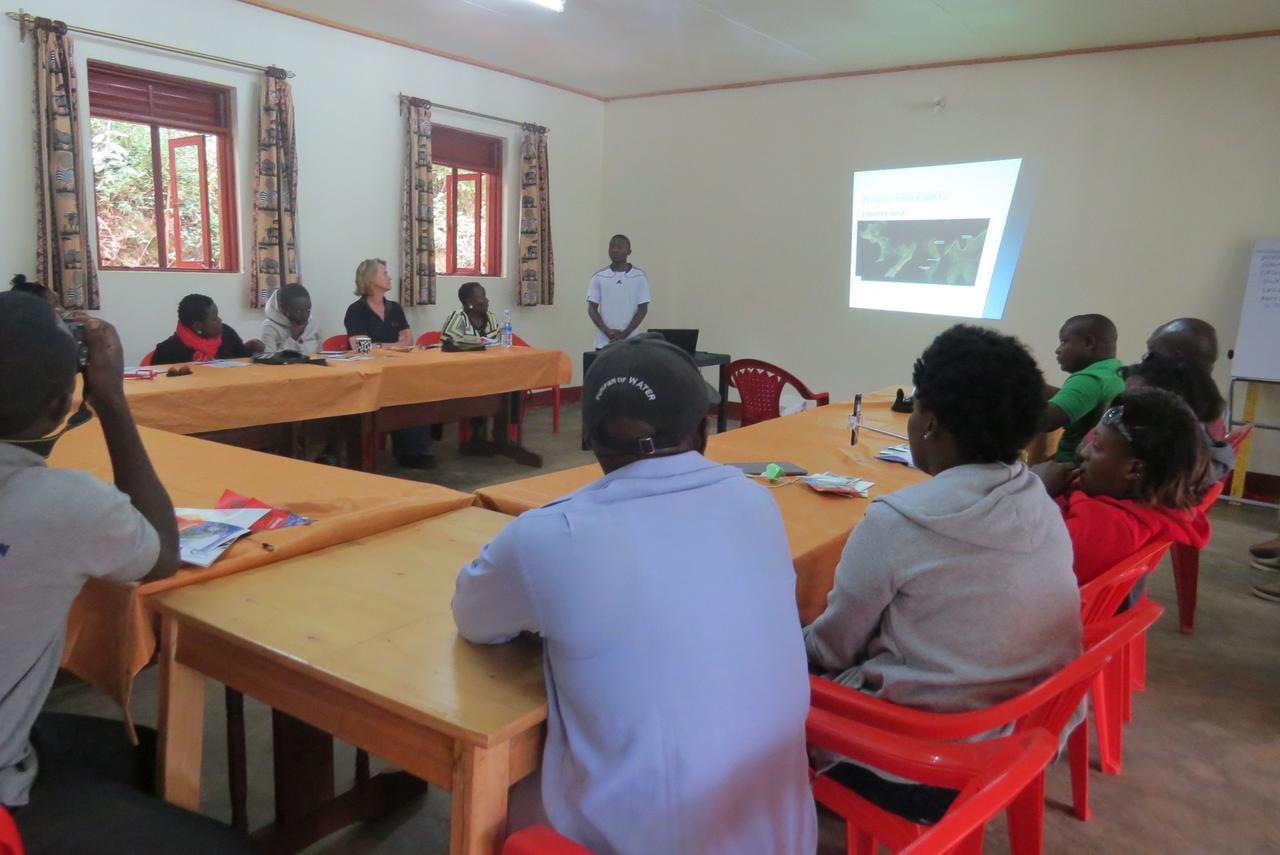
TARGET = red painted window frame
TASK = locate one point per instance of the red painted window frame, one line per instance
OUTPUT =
(197, 142)
(473, 153)
(169, 91)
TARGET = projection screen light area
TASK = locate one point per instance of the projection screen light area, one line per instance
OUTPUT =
(937, 240)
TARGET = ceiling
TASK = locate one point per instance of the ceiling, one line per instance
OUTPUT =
(615, 48)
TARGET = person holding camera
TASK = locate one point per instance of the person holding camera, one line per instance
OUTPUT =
(75, 783)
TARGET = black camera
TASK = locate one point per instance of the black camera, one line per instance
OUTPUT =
(76, 328)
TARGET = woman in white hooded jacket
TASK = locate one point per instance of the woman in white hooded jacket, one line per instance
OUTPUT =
(288, 324)
(957, 593)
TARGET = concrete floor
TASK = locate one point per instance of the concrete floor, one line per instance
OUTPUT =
(1202, 757)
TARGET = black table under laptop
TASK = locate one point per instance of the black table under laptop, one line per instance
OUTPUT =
(703, 360)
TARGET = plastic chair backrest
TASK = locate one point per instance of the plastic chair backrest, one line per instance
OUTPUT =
(336, 342)
(540, 840)
(760, 385)
(1238, 435)
(518, 341)
(1210, 496)
(1049, 704)
(1101, 597)
(988, 775)
(429, 337)
(10, 842)
(995, 788)
(148, 359)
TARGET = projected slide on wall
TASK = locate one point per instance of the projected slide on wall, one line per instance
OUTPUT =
(938, 240)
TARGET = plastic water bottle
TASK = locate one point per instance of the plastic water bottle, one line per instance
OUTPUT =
(506, 328)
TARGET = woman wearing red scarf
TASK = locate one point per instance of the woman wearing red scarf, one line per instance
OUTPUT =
(202, 336)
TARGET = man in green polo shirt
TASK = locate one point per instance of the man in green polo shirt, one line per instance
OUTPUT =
(1087, 350)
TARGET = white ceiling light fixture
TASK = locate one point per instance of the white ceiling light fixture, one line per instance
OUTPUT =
(553, 5)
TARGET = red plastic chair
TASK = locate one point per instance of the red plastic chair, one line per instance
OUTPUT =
(148, 359)
(336, 342)
(1049, 705)
(1186, 559)
(1100, 599)
(10, 842)
(429, 337)
(989, 775)
(540, 840)
(760, 385)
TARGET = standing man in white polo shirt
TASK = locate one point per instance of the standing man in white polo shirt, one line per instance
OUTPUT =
(618, 297)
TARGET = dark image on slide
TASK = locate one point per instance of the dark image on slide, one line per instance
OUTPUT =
(924, 252)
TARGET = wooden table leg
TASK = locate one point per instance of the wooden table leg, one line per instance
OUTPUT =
(237, 768)
(478, 816)
(303, 765)
(181, 722)
(361, 442)
(507, 415)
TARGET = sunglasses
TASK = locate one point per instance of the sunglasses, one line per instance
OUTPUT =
(1114, 418)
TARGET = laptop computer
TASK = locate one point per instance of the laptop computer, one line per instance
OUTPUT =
(686, 340)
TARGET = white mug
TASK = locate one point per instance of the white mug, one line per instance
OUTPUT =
(363, 343)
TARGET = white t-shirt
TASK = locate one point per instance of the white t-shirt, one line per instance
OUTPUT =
(618, 294)
(58, 528)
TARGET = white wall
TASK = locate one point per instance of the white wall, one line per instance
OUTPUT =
(1159, 172)
(349, 136)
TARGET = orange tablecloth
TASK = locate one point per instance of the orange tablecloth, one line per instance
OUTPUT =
(110, 639)
(213, 398)
(817, 525)
(432, 375)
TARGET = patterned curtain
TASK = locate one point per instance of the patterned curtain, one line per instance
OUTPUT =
(63, 261)
(417, 226)
(537, 284)
(275, 192)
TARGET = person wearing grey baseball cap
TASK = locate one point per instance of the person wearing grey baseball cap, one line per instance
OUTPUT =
(677, 686)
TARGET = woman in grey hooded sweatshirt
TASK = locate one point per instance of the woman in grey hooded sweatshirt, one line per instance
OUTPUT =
(287, 324)
(957, 593)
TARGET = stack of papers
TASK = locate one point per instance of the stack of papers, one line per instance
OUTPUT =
(274, 517)
(206, 533)
(897, 454)
(841, 485)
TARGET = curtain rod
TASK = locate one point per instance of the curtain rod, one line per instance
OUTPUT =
(436, 106)
(27, 22)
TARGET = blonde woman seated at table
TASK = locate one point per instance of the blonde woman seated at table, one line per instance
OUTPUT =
(373, 314)
(957, 593)
(383, 320)
(288, 324)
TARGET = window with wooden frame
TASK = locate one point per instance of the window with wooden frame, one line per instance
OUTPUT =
(467, 179)
(164, 186)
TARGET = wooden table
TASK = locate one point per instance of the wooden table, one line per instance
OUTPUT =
(817, 524)
(110, 638)
(391, 675)
(260, 406)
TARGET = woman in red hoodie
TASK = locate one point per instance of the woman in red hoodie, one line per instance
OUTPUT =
(1140, 478)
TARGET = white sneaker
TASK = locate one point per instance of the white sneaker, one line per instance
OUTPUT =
(1265, 581)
